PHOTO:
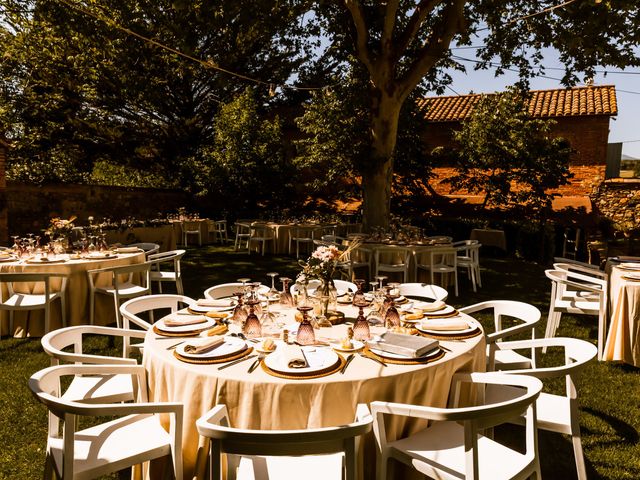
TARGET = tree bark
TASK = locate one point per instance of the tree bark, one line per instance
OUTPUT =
(377, 175)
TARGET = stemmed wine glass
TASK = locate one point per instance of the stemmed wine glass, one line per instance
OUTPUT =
(286, 299)
(252, 327)
(392, 317)
(306, 335)
(361, 326)
(359, 297)
(273, 293)
(239, 313)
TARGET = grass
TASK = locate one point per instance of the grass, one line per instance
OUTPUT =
(609, 393)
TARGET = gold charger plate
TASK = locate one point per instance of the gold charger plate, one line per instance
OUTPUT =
(209, 361)
(190, 333)
(408, 361)
(308, 376)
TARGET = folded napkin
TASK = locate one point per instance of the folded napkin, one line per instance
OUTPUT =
(217, 315)
(220, 302)
(429, 306)
(293, 357)
(185, 320)
(128, 249)
(445, 324)
(204, 345)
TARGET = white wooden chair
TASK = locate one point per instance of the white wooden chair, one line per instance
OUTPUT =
(302, 236)
(438, 260)
(589, 271)
(225, 290)
(17, 300)
(261, 234)
(453, 446)
(91, 388)
(592, 300)
(243, 232)
(219, 230)
(393, 259)
(525, 313)
(191, 228)
(423, 290)
(358, 259)
(148, 247)
(315, 453)
(160, 275)
(468, 257)
(131, 309)
(136, 436)
(556, 413)
(575, 262)
(126, 282)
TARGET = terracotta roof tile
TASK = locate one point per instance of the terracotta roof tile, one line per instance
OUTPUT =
(578, 101)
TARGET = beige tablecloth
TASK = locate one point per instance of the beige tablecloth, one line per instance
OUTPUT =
(203, 224)
(261, 401)
(623, 338)
(77, 299)
(163, 235)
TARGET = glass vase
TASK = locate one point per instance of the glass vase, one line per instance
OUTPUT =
(328, 297)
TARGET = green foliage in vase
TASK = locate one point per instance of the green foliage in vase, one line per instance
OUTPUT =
(509, 157)
(245, 168)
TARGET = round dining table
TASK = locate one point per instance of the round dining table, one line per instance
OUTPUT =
(258, 400)
(31, 323)
(623, 337)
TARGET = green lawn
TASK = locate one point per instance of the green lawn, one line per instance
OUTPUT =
(609, 393)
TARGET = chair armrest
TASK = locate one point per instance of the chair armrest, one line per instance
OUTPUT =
(218, 415)
(509, 332)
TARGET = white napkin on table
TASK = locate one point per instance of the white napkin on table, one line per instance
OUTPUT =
(204, 345)
(429, 306)
(293, 357)
(184, 320)
(445, 324)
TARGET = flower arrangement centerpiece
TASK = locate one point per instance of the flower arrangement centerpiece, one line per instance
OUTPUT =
(322, 265)
(60, 230)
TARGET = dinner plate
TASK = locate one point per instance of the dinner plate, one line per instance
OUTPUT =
(357, 345)
(397, 356)
(448, 310)
(100, 256)
(409, 320)
(45, 261)
(406, 307)
(319, 359)
(203, 309)
(421, 327)
(194, 327)
(8, 259)
(346, 300)
(231, 346)
(632, 276)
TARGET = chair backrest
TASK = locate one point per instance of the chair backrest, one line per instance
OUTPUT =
(474, 419)
(55, 342)
(147, 303)
(41, 277)
(228, 289)
(46, 387)
(581, 269)
(442, 256)
(172, 256)
(561, 279)
(575, 262)
(392, 256)
(261, 230)
(149, 248)
(215, 425)
(343, 286)
(191, 226)
(526, 313)
(423, 290)
(124, 274)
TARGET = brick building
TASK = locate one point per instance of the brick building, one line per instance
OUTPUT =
(582, 117)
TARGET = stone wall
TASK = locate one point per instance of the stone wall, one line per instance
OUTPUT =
(618, 202)
(31, 206)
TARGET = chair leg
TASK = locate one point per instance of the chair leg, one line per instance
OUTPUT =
(577, 452)
(160, 287)
(11, 332)
(48, 468)
(63, 310)
(455, 281)
(477, 269)
(179, 288)
(92, 308)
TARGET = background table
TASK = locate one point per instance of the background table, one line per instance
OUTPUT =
(163, 235)
(489, 237)
(32, 323)
(261, 401)
(623, 338)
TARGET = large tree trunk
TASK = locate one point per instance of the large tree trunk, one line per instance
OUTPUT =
(378, 174)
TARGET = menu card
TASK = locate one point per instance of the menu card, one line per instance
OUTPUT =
(408, 345)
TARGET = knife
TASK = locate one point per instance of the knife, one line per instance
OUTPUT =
(237, 361)
(346, 364)
(255, 364)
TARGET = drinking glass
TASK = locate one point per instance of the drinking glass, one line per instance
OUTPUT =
(252, 327)
(239, 313)
(306, 334)
(286, 299)
(361, 326)
(273, 292)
